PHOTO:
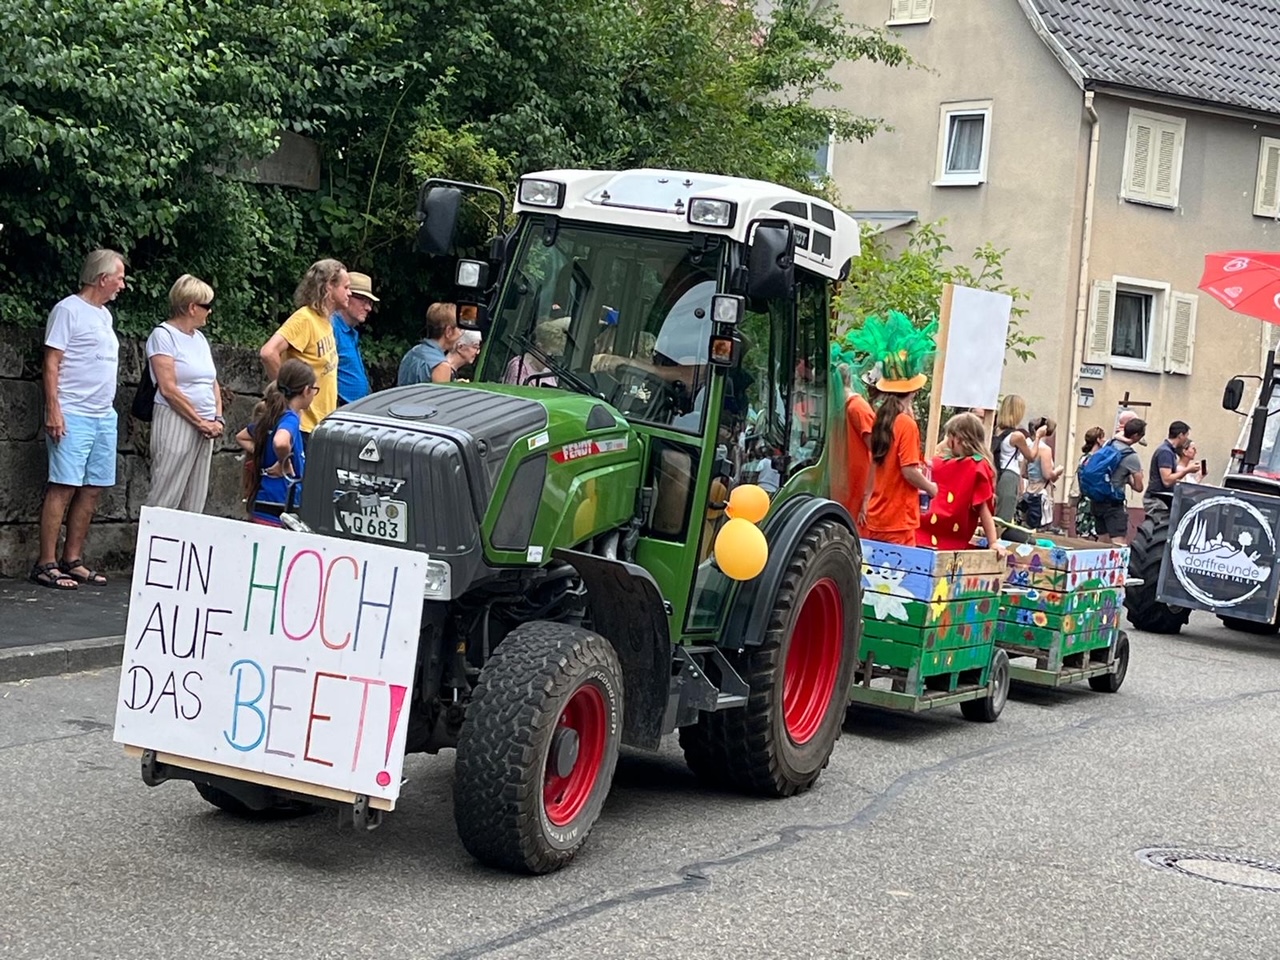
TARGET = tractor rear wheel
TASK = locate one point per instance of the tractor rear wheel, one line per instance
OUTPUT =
(538, 747)
(798, 678)
(1146, 554)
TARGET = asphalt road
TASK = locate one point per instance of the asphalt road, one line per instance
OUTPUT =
(927, 837)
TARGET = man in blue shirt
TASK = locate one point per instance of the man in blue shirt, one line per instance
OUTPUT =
(1165, 471)
(353, 381)
(425, 362)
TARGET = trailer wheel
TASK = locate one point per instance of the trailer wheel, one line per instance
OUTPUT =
(1110, 682)
(798, 678)
(281, 809)
(1250, 626)
(538, 747)
(1146, 554)
(988, 708)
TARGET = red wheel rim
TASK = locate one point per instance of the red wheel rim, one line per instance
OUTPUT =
(564, 795)
(813, 661)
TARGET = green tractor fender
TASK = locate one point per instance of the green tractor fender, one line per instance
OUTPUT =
(749, 609)
(628, 610)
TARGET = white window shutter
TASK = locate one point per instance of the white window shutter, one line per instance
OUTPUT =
(901, 9)
(1168, 161)
(1180, 333)
(1141, 137)
(921, 9)
(1102, 314)
(1266, 197)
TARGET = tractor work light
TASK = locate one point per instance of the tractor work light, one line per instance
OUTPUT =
(472, 274)
(705, 212)
(542, 193)
(439, 581)
(727, 308)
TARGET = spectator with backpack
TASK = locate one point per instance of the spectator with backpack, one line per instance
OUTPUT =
(1104, 477)
(1085, 524)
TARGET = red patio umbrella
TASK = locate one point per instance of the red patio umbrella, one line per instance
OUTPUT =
(1248, 283)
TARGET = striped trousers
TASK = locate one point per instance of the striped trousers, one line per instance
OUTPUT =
(180, 457)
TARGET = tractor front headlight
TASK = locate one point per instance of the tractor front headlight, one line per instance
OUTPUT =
(439, 582)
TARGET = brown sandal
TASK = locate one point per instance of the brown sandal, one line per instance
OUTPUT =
(49, 575)
(92, 578)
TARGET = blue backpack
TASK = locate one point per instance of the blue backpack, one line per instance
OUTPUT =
(1095, 476)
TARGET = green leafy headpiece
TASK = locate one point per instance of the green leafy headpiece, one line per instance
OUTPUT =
(900, 350)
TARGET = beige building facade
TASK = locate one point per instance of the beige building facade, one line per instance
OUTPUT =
(1014, 130)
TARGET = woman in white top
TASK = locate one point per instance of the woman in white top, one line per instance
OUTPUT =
(187, 419)
(1011, 450)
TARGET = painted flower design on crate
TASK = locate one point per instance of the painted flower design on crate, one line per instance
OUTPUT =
(880, 583)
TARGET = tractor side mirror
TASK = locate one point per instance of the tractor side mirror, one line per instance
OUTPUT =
(438, 213)
(1233, 394)
(771, 266)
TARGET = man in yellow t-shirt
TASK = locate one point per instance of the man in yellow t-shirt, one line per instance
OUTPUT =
(308, 336)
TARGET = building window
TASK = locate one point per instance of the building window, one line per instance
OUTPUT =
(964, 140)
(1153, 158)
(910, 11)
(822, 159)
(1131, 329)
(1266, 198)
(1141, 325)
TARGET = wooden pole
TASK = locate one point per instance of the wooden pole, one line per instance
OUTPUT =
(939, 363)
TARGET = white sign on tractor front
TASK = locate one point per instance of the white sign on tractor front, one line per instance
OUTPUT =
(259, 649)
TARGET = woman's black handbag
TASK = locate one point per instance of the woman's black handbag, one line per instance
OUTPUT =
(144, 399)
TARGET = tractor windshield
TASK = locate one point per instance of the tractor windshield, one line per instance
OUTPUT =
(621, 315)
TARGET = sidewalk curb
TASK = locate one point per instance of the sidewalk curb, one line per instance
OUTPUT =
(52, 659)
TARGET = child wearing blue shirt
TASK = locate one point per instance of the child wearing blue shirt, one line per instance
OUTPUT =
(274, 445)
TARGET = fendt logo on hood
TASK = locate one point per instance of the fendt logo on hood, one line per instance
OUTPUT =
(367, 481)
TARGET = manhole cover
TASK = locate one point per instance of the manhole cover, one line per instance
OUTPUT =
(1224, 868)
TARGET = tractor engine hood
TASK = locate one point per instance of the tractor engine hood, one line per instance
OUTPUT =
(460, 473)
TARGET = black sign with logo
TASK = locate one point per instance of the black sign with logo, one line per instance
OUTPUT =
(1222, 553)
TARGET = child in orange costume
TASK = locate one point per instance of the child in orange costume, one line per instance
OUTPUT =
(966, 495)
(860, 418)
(893, 515)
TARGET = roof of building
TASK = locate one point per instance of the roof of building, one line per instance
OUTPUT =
(1225, 52)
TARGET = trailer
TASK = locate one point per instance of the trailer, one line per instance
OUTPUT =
(1059, 616)
(929, 629)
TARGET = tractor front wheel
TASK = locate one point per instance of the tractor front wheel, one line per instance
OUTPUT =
(538, 747)
(798, 678)
(1146, 554)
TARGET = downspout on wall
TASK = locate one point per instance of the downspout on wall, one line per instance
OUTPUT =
(1082, 295)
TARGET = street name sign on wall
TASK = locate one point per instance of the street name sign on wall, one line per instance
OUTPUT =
(285, 655)
(1222, 553)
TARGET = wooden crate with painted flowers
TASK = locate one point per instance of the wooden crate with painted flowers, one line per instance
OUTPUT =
(1060, 611)
(928, 630)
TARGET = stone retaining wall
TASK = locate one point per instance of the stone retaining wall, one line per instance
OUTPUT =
(24, 466)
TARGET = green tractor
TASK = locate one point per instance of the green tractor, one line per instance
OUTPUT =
(1214, 549)
(653, 340)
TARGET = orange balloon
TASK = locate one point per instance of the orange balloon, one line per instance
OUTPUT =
(748, 502)
(741, 549)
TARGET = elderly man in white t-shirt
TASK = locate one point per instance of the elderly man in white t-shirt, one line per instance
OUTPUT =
(81, 362)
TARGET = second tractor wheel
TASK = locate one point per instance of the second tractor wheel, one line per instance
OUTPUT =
(1250, 626)
(798, 678)
(1146, 554)
(538, 747)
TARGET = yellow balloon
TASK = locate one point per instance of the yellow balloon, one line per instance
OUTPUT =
(741, 549)
(748, 502)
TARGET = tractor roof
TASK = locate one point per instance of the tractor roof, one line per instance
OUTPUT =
(659, 200)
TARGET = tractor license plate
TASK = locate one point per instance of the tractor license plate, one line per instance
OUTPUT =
(384, 520)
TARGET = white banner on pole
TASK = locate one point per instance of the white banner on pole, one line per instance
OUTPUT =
(975, 348)
(286, 654)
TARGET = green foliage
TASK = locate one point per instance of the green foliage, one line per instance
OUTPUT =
(134, 124)
(911, 281)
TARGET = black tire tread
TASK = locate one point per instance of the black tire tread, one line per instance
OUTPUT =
(1250, 626)
(735, 748)
(498, 771)
(1146, 554)
(1111, 682)
(284, 809)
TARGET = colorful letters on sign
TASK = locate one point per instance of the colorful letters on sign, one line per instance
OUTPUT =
(283, 653)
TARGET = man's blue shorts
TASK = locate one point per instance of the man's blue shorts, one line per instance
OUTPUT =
(86, 454)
